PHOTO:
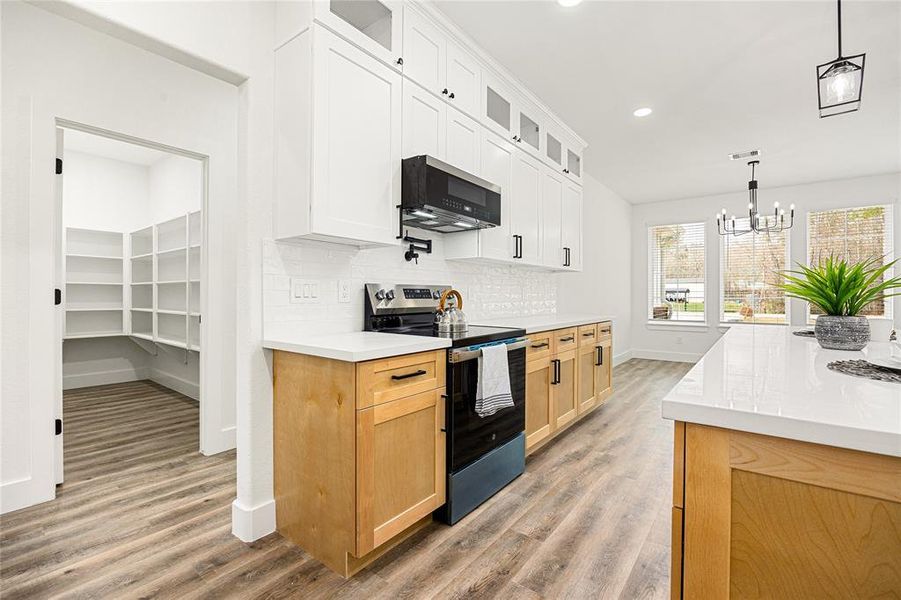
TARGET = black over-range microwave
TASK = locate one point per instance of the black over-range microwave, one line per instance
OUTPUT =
(441, 197)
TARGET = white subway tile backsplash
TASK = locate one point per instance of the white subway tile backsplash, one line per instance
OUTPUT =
(488, 290)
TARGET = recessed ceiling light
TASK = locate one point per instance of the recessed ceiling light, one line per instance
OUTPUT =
(642, 112)
(568, 3)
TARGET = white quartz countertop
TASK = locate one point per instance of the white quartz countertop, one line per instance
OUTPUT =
(762, 379)
(535, 324)
(351, 347)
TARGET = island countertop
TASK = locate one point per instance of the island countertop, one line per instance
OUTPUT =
(762, 379)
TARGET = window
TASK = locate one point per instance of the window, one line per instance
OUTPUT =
(676, 272)
(855, 234)
(749, 271)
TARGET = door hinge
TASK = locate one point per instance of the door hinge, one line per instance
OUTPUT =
(59, 426)
(57, 296)
(59, 166)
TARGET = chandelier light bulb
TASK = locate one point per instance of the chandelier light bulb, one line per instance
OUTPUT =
(724, 211)
(750, 205)
(792, 207)
(840, 86)
(776, 204)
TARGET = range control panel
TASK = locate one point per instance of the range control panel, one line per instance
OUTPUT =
(393, 299)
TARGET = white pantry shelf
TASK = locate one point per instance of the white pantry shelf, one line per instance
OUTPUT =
(97, 334)
(119, 283)
(94, 309)
(97, 256)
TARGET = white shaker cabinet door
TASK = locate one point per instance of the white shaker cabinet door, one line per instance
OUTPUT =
(572, 224)
(497, 164)
(424, 123)
(464, 80)
(357, 107)
(552, 254)
(424, 51)
(463, 142)
(527, 207)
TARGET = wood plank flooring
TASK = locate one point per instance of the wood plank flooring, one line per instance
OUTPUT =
(144, 515)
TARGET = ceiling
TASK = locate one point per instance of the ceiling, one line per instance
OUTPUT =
(720, 76)
(88, 143)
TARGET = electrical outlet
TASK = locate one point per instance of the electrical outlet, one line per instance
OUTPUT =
(343, 290)
(304, 291)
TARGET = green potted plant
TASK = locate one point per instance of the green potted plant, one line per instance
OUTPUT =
(841, 290)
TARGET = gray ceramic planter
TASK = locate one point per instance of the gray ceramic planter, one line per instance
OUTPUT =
(842, 333)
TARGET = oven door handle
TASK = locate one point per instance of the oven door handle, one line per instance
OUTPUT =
(464, 354)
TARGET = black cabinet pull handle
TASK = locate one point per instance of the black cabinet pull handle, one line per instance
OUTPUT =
(568, 338)
(451, 96)
(600, 361)
(541, 345)
(444, 91)
(399, 61)
(588, 334)
(556, 376)
(408, 375)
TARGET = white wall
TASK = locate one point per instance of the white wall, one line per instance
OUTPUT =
(605, 284)
(174, 187)
(688, 342)
(79, 74)
(103, 193)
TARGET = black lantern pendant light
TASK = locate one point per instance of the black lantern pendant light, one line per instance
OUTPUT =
(840, 82)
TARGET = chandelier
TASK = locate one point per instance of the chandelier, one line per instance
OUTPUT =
(840, 81)
(757, 222)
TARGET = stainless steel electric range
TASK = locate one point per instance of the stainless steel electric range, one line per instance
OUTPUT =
(484, 454)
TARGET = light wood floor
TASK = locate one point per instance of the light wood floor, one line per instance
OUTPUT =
(143, 515)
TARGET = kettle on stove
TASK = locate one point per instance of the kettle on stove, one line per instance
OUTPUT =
(450, 317)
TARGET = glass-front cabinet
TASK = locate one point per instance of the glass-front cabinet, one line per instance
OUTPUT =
(531, 130)
(498, 107)
(374, 25)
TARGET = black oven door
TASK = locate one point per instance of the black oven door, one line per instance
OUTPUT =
(469, 435)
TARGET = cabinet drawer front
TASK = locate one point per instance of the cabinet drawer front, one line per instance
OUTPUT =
(565, 339)
(400, 466)
(540, 346)
(588, 334)
(605, 330)
(387, 379)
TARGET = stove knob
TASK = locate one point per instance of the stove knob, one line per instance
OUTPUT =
(380, 295)
(389, 296)
(436, 295)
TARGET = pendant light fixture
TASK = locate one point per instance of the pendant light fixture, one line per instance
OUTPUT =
(840, 82)
(757, 222)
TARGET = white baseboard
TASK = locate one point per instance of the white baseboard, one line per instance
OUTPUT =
(622, 357)
(249, 524)
(688, 357)
(80, 380)
(22, 493)
(182, 386)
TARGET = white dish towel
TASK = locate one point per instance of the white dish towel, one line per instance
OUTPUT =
(493, 386)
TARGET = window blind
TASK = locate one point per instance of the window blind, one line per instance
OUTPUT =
(855, 234)
(749, 271)
(676, 272)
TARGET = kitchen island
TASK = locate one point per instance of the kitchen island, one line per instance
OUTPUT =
(787, 475)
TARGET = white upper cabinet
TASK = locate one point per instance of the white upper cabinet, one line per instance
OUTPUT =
(439, 64)
(424, 123)
(530, 130)
(498, 110)
(463, 141)
(526, 208)
(338, 142)
(374, 25)
(552, 253)
(572, 226)
(572, 156)
(463, 79)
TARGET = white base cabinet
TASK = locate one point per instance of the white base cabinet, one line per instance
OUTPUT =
(338, 142)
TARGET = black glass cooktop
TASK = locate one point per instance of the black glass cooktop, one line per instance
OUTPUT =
(474, 334)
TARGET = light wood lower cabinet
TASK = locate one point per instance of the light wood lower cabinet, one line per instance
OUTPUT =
(564, 390)
(400, 466)
(756, 516)
(359, 452)
(539, 375)
(568, 373)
